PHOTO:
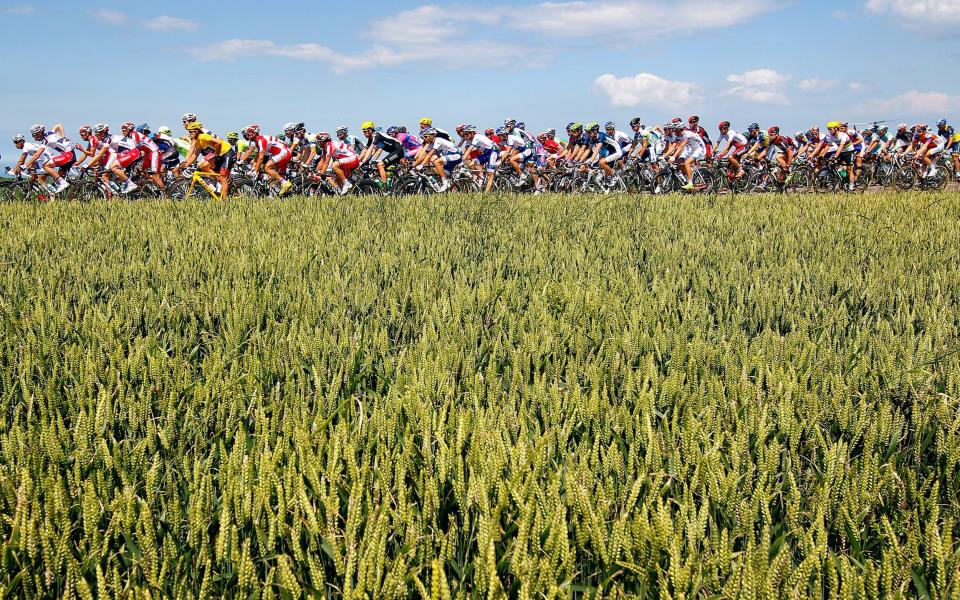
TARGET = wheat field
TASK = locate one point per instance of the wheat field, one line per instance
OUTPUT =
(482, 397)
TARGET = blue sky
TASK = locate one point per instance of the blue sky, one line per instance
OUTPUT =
(791, 63)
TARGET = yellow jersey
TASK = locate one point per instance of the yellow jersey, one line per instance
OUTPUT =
(205, 140)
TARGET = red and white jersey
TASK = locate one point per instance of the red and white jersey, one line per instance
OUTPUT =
(339, 150)
(57, 144)
(267, 144)
(119, 143)
(143, 141)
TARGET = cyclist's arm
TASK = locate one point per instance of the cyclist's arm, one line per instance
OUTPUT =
(323, 164)
(19, 165)
(35, 156)
(726, 149)
(679, 147)
(58, 129)
(422, 157)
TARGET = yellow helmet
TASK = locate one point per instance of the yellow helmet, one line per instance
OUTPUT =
(368, 125)
(426, 121)
(194, 126)
(833, 124)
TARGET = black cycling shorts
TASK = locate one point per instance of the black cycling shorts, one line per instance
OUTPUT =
(390, 159)
(223, 163)
(845, 158)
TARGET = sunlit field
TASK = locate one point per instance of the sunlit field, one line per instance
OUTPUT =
(482, 397)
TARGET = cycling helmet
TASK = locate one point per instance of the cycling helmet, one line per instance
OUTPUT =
(882, 128)
(609, 125)
(402, 128)
(574, 126)
(459, 127)
(38, 130)
(724, 125)
(469, 128)
(677, 121)
(542, 136)
(551, 132)
(188, 117)
(251, 130)
(101, 128)
(942, 123)
(392, 130)
(693, 119)
(232, 135)
(368, 125)
(194, 126)
(301, 126)
(145, 129)
(489, 131)
(833, 124)
(902, 127)
(522, 125)
(342, 130)
(164, 130)
(636, 121)
(426, 122)
(843, 123)
(799, 134)
(289, 127)
(18, 138)
(428, 131)
(920, 127)
(591, 127)
(753, 127)
(774, 129)
(86, 130)
(129, 126)
(510, 123)
(323, 137)
(670, 126)
(503, 131)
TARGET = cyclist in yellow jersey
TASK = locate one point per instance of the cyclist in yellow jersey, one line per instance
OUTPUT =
(220, 160)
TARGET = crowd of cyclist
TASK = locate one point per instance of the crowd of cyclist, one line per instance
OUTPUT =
(49, 154)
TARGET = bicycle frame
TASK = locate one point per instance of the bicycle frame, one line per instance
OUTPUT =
(198, 177)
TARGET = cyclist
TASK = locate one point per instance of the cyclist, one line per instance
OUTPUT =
(385, 150)
(578, 143)
(148, 150)
(343, 134)
(951, 141)
(626, 143)
(686, 149)
(338, 156)
(837, 143)
(303, 147)
(927, 146)
(550, 147)
(736, 147)
(114, 152)
(441, 153)
(516, 151)
(86, 134)
(489, 152)
(427, 123)
(759, 142)
(694, 125)
(180, 143)
(220, 157)
(58, 151)
(411, 143)
(782, 148)
(169, 157)
(605, 150)
(273, 156)
(34, 159)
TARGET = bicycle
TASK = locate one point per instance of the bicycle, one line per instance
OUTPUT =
(194, 183)
(671, 179)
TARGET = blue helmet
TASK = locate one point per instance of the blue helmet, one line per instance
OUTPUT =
(143, 128)
(942, 123)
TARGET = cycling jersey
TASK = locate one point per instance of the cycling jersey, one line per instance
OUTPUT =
(338, 150)
(694, 148)
(29, 149)
(207, 141)
(608, 145)
(411, 144)
(935, 141)
(442, 147)
(551, 147)
(760, 138)
(487, 151)
(622, 139)
(736, 139)
(946, 133)
(516, 142)
(59, 150)
(143, 141)
(267, 144)
(386, 143)
(781, 143)
(702, 133)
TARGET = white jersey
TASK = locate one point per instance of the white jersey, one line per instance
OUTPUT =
(735, 138)
(692, 139)
(30, 148)
(621, 138)
(57, 144)
(516, 142)
(119, 143)
(442, 147)
(841, 141)
(481, 142)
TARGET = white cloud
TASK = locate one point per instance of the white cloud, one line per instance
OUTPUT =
(24, 9)
(816, 84)
(467, 54)
(913, 103)
(760, 86)
(109, 17)
(646, 89)
(856, 86)
(165, 23)
(919, 12)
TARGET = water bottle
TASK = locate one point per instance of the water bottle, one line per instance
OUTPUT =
(843, 172)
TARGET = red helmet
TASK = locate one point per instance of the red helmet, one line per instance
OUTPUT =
(251, 130)
(86, 130)
(775, 130)
(724, 125)
(128, 126)
(488, 131)
(693, 119)
(460, 127)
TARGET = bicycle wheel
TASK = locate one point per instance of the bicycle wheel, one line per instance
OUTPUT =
(82, 191)
(365, 187)
(825, 181)
(905, 178)
(936, 182)
(664, 183)
(464, 183)
(703, 181)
